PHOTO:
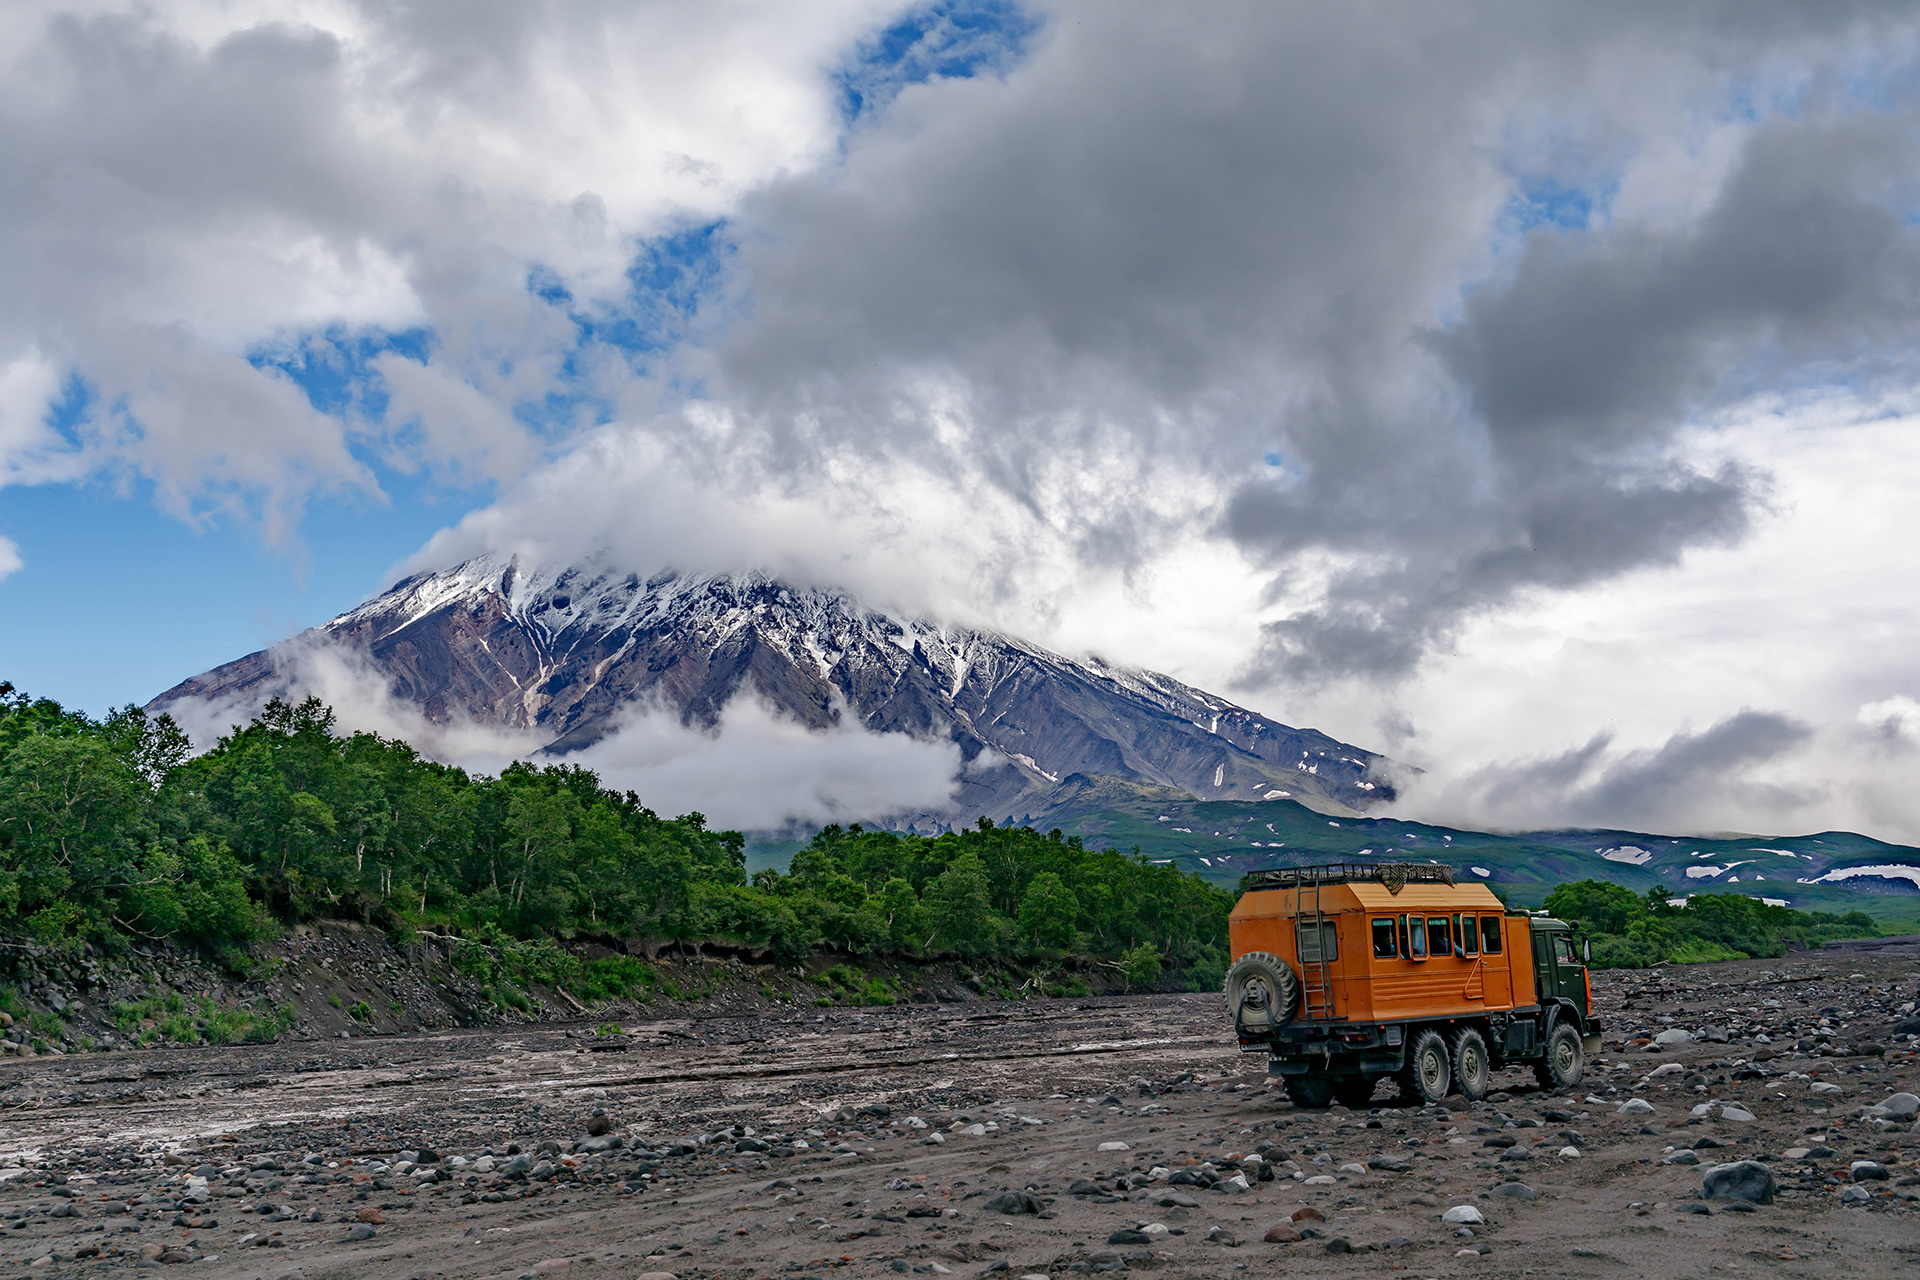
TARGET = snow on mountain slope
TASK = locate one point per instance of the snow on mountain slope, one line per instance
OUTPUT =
(565, 654)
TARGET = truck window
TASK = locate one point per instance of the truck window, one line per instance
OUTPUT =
(1416, 938)
(1383, 942)
(1327, 946)
(1439, 937)
(1490, 935)
(1469, 934)
(1563, 949)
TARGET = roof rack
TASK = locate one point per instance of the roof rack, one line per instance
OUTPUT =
(1393, 874)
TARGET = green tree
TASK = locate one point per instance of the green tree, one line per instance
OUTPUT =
(1049, 914)
(958, 909)
(1603, 907)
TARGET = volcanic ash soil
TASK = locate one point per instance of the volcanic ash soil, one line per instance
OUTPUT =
(1049, 1139)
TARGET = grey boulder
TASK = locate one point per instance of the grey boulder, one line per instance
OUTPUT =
(1746, 1180)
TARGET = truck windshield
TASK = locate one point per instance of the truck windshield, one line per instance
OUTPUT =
(1469, 934)
(1563, 949)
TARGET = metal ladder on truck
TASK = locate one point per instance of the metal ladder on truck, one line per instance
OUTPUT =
(1310, 941)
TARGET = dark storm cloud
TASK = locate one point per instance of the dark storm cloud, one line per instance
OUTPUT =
(1260, 250)
(1720, 768)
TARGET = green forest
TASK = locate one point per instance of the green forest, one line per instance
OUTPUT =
(1635, 931)
(111, 829)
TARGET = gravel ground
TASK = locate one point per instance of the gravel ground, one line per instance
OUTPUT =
(980, 1139)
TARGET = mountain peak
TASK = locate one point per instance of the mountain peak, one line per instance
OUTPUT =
(563, 652)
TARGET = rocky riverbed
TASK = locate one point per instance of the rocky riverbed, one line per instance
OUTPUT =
(1045, 1138)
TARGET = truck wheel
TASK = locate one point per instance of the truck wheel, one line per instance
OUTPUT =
(1428, 1067)
(1261, 992)
(1313, 1090)
(1472, 1071)
(1354, 1092)
(1564, 1062)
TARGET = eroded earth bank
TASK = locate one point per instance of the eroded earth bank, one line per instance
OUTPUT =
(1047, 1138)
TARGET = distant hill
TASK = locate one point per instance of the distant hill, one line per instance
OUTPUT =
(1223, 840)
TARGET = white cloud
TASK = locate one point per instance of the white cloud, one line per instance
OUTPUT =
(10, 560)
(762, 772)
(191, 181)
(1896, 718)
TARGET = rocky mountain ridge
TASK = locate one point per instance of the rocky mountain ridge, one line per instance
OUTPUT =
(566, 652)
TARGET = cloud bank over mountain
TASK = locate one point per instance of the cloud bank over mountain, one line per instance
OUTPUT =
(1381, 360)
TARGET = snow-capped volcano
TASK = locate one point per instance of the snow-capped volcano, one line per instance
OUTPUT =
(563, 654)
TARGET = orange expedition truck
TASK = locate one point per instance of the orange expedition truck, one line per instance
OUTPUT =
(1351, 972)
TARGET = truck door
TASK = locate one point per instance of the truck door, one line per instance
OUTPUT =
(1546, 983)
(1498, 984)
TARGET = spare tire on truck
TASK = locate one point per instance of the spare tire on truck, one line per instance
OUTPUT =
(1261, 993)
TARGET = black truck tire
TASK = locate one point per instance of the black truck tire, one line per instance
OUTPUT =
(1564, 1061)
(1261, 993)
(1429, 1067)
(1354, 1092)
(1472, 1066)
(1314, 1090)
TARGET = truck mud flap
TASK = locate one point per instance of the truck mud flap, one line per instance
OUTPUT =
(1590, 1044)
(1290, 1066)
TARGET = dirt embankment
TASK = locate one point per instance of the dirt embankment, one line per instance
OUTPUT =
(341, 980)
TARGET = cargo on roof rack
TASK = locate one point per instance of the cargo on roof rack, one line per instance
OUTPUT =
(1388, 873)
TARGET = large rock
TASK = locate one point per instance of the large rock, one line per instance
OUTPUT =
(1747, 1180)
(1015, 1202)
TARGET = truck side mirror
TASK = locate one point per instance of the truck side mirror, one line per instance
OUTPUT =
(1586, 950)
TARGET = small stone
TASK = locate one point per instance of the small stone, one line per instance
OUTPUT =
(1307, 1213)
(1634, 1107)
(1867, 1171)
(1855, 1194)
(1691, 1206)
(1682, 1156)
(1747, 1180)
(1901, 1106)
(1569, 1153)
(1388, 1164)
(656, 1275)
(1176, 1200)
(1515, 1191)
(1465, 1215)
(1281, 1235)
(599, 1125)
(1127, 1235)
(1113, 1146)
(1514, 1155)
(362, 1232)
(1739, 1115)
(373, 1216)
